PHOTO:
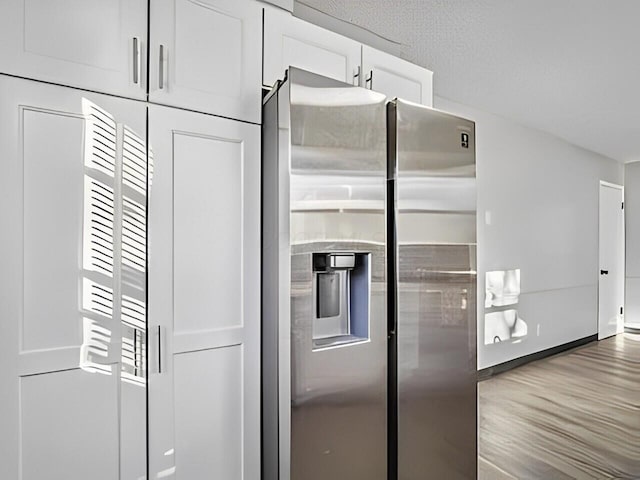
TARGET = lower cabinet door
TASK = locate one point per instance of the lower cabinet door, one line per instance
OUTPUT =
(204, 314)
(72, 284)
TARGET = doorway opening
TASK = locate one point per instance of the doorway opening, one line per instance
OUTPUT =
(611, 275)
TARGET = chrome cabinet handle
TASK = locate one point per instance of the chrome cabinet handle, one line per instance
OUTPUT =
(356, 77)
(161, 69)
(136, 61)
(369, 80)
(159, 349)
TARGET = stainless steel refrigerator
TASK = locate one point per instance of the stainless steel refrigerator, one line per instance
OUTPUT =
(368, 286)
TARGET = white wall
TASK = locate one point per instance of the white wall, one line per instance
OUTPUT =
(632, 227)
(541, 194)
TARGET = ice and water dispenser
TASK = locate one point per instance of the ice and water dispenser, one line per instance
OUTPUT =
(341, 295)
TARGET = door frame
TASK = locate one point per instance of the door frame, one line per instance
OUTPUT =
(616, 186)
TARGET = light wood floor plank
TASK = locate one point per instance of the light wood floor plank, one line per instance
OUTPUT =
(572, 416)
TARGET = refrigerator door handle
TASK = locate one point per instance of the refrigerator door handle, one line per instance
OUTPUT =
(392, 234)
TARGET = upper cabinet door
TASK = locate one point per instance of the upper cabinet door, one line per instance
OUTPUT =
(205, 56)
(289, 41)
(395, 77)
(99, 45)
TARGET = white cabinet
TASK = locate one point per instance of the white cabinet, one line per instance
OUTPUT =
(98, 45)
(206, 56)
(395, 77)
(73, 289)
(204, 297)
(289, 41)
(73, 397)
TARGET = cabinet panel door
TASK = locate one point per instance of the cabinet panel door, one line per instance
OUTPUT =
(204, 296)
(73, 398)
(206, 56)
(99, 45)
(395, 77)
(289, 41)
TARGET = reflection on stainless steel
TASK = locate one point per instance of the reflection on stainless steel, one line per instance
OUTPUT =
(436, 325)
(338, 395)
(324, 193)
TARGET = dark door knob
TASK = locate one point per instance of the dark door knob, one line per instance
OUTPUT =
(604, 272)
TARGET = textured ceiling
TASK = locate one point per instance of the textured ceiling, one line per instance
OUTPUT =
(568, 67)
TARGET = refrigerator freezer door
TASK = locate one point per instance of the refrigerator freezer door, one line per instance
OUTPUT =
(337, 193)
(433, 164)
(324, 288)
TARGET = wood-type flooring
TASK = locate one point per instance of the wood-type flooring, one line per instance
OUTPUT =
(572, 416)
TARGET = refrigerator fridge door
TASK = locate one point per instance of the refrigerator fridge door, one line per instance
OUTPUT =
(324, 286)
(432, 169)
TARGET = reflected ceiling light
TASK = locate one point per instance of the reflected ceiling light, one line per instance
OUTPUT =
(334, 97)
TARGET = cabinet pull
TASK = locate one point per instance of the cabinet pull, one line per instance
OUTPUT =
(136, 61)
(161, 69)
(356, 77)
(369, 80)
(159, 349)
